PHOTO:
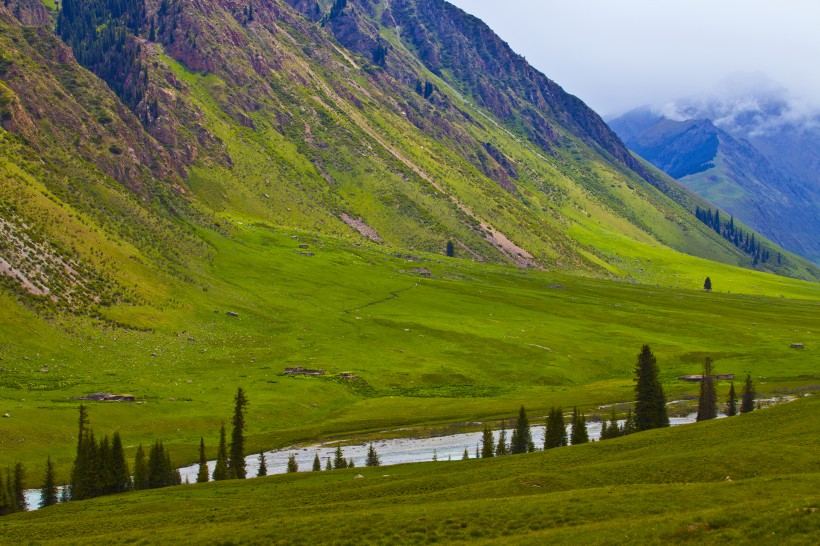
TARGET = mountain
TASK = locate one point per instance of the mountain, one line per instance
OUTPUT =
(754, 155)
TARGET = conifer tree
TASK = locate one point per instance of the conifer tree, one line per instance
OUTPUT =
(221, 468)
(140, 470)
(106, 476)
(731, 401)
(487, 443)
(707, 400)
(501, 446)
(202, 473)
(49, 494)
(18, 490)
(372, 457)
(120, 474)
(293, 466)
(614, 429)
(328, 465)
(522, 437)
(451, 250)
(629, 424)
(317, 464)
(650, 403)
(236, 461)
(350, 463)
(435, 455)
(161, 471)
(604, 431)
(263, 468)
(578, 433)
(707, 284)
(555, 434)
(339, 460)
(747, 397)
(6, 503)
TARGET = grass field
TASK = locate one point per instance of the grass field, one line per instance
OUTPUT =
(746, 479)
(472, 342)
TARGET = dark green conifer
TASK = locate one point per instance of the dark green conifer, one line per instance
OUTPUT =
(17, 488)
(293, 466)
(747, 397)
(604, 431)
(731, 401)
(120, 474)
(707, 400)
(49, 494)
(372, 457)
(487, 443)
(140, 470)
(339, 460)
(466, 455)
(650, 403)
(6, 502)
(328, 465)
(106, 476)
(522, 437)
(202, 473)
(317, 464)
(555, 434)
(501, 446)
(350, 463)
(221, 468)
(578, 433)
(707, 285)
(236, 461)
(263, 468)
(161, 471)
(629, 424)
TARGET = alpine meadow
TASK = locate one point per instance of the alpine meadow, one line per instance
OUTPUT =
(233, 233)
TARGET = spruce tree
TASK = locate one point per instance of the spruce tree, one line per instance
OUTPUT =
(18, 490)
(293, 466)
(140, 470)
(707, 284)
(604, 431)
(161, 471)
(747, 397)
(263, 468)
(350, 463)
(579, 433)
(487, 443)
(501, 446)
(555, 434)
(650, 403)
(731, 401)
(221, 468)
(451, 249)
(328, 465)
(202, 474)
(236, 461)
(466, 455)
(317, 464)
(339, 460)
(614, 428)
(522, 437)
(372, 457)
(707, 400)
(120, 474)
(49, 494)
(106, 476)
(6, 503)
(629, 424)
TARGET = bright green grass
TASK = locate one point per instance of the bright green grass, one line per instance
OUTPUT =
(748, 479)
(471, 343)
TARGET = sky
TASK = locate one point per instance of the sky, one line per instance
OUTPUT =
(620, 54)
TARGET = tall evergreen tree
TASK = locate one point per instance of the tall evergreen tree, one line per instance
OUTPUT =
(650, 403)
(707, 284)
(339, 460)
(263, 468)
(350, 463)
(236, 461)
(555, 434)
(501, 446)
(328, 464)
(120, 474)
(49, 494)
(629, 424)
(604, 430)
(221, 468)
(140, 470)
(451, 249)
(372, 457)
(747, 397)
(18, 489)
(487, 443)
(106, 476)
(707, 400)
(6, 502)
(317, 464)
(579, 433)
(293, 466)
(161, 471)
(731, 401)
(202, 473)
(522, 437)
(466, 455)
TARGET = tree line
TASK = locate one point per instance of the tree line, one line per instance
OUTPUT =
(735, 235)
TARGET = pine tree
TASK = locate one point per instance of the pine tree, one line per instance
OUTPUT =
(435, 455)
(522, 437)
(263, 468)
(579, 433)
(614, 428)
(731, 401)
(630, 426)
(339, 460)
(604, 431)
(106, 476)
(707, 400)
(293, 466)
(49, 494)
(317, 464)
(650, 403)
(202, 474)
(466, 455)
(372, 457)
(555, 434)
(747, 397)
(350, 463)
(6, 502)
(161, 471)
(451, 249)
(501, 446)
(18, 489)
(487, 443)
(120, 475)
(221, 468)
(707, 285)
(236, 461)
(329, 465)
(140, 470)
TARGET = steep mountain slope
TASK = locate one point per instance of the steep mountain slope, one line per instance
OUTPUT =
(746, 155)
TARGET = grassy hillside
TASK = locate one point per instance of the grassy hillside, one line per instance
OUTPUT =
(748, 479)
(471, 342)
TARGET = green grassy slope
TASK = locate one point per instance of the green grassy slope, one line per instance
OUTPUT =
(748, 479)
